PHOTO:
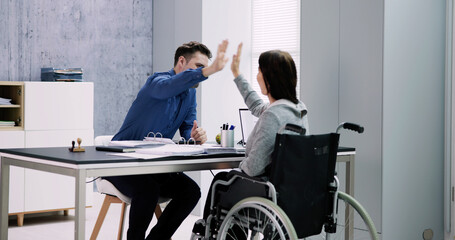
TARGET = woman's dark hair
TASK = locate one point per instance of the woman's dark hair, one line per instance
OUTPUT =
(279, 73)
(188, 49)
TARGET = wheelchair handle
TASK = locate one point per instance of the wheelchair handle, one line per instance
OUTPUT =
(350, 126)
(294, 128)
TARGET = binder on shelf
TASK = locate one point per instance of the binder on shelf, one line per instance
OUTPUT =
(57, 74)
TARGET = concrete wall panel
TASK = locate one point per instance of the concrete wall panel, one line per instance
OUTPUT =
(110, 40)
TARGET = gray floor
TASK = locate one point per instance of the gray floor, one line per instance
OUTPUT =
(56, 226)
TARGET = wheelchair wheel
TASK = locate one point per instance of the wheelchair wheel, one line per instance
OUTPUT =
(256, 218)
(348, 206)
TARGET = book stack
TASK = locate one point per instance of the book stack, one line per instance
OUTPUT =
(7, 124)
(61, 75)
(5, 101)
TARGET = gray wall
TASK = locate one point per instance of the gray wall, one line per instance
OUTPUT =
(174, 23)
(341, 73)
(381, 63)
(111, 40)
(413, 119)
(361, 50)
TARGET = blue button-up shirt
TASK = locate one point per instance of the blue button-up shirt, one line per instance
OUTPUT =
(164, 104)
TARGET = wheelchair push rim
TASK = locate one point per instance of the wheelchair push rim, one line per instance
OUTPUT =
(272, 220)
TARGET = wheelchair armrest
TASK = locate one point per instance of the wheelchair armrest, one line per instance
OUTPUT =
(260, 178)
(239, 186)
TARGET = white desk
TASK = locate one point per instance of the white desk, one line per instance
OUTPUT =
(93, 163)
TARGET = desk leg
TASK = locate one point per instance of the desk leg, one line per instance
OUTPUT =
(4, 198)
(349, 233)
(79, 226)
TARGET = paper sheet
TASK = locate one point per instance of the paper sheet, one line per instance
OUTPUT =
(136, 155)
(172, 149)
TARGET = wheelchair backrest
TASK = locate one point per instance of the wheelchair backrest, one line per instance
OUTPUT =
(301, 170)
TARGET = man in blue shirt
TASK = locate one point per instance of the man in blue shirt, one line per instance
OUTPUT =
(165, 103)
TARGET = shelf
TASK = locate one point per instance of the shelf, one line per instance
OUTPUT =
(15, 111)
(10, 106)
(11, 128)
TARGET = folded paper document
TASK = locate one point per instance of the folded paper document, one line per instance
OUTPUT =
(157, 137)
(215, 148)
(158, 140)
(134, 143)
(171, 149)
(7, 123)
(5, 101)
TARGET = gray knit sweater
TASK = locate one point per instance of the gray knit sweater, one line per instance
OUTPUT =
(272, 117)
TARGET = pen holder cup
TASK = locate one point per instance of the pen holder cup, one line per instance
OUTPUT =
(227, 138)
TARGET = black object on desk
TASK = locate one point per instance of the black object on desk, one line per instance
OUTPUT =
(116, 149)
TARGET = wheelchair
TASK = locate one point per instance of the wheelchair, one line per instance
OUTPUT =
(298, 198)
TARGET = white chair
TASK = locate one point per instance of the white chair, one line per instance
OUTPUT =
(113, 195)
(103, 140)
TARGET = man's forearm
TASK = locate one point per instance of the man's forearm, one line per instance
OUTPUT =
(207, 71)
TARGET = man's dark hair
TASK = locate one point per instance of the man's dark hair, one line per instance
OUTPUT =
(280, 74)
(188, 49)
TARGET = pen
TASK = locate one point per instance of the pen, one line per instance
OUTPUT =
(232, 127)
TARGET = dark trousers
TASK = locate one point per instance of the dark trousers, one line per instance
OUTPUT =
(144, 191)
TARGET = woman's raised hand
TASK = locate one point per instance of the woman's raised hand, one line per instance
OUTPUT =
(236, 61)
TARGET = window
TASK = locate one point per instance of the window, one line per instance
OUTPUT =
(275, 25)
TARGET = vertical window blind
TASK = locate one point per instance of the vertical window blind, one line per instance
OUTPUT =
(275, 25)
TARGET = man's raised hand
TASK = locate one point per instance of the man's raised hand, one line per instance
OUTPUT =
(220, 60)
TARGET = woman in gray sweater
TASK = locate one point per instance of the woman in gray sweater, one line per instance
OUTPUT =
(277, 78)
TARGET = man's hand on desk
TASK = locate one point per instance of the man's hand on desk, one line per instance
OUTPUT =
(198, 134)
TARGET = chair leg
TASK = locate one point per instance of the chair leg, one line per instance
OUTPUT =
(122, 221)
(99, 221)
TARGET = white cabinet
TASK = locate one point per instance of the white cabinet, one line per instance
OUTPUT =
(17, 190)
(14, 139)
(58, 106)
(52, 114)
(48, 191)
